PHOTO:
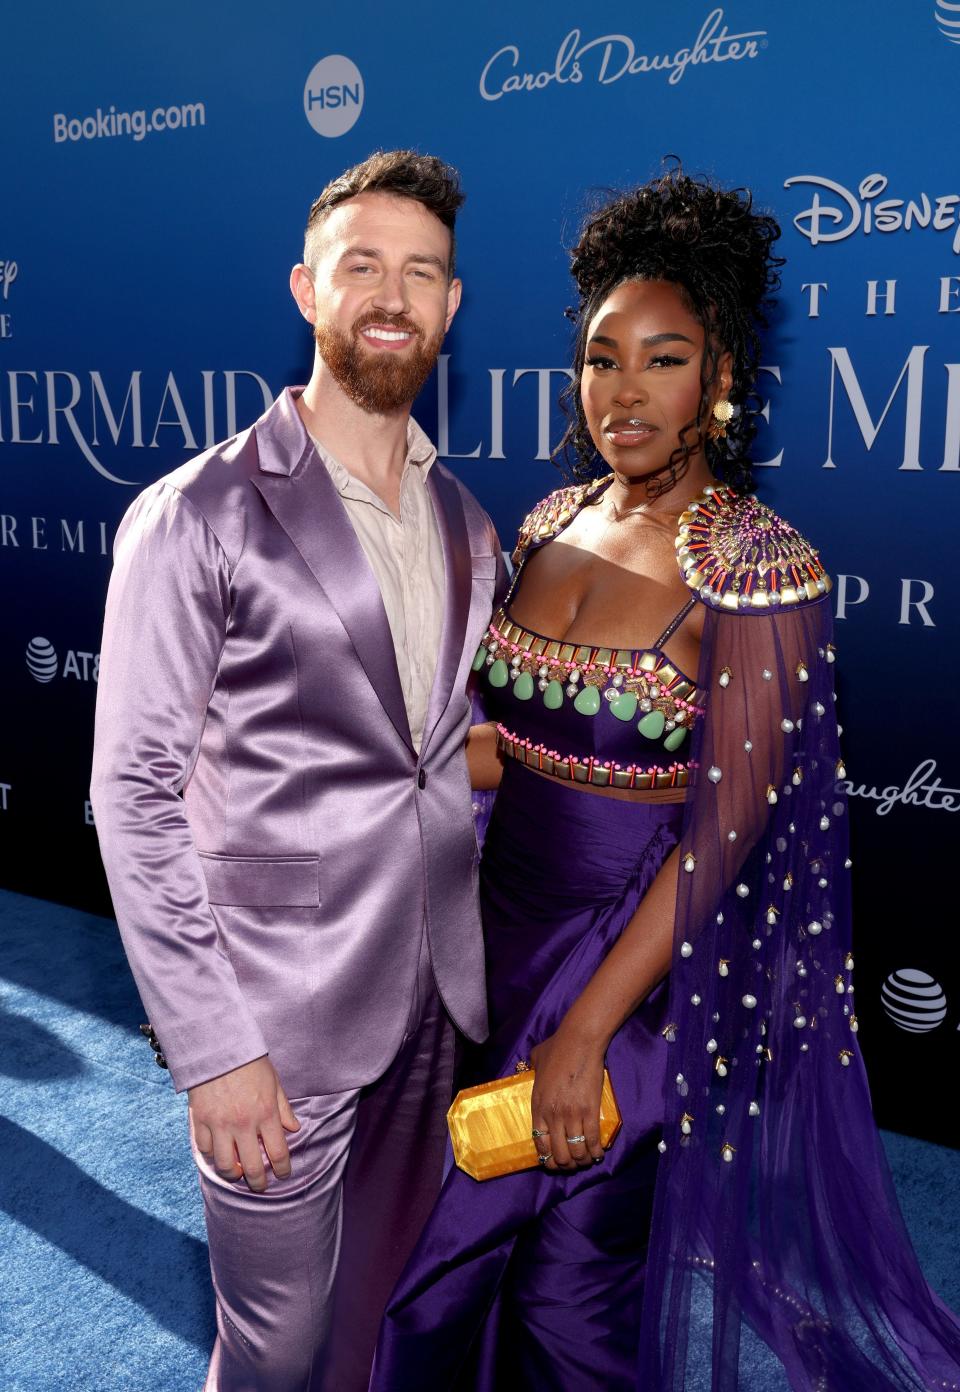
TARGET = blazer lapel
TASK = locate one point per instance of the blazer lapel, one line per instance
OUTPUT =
(455, 541)
(294, 483)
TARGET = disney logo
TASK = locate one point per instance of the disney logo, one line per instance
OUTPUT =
(9, 270)
(832, 222)
(612, 56)
(920, 790)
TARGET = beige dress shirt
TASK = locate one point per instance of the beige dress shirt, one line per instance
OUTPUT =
(406, 557)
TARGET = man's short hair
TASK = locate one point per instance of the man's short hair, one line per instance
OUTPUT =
(424, 178)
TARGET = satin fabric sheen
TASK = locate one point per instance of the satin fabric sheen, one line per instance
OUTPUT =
(536, 1279)
(247, 661)
(366, 1170)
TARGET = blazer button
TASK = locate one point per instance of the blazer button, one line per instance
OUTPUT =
(422, 778)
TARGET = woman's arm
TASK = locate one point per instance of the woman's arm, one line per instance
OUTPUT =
(483, 761)
(569, 1064)
(746, 748)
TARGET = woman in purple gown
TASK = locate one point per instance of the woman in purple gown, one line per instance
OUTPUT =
(665, 891)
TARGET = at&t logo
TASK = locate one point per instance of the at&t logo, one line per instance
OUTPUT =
(43, 662)
(948, 20)
(333, 95)
(914, 1000)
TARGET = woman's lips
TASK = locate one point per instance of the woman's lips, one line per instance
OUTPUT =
(629, 434)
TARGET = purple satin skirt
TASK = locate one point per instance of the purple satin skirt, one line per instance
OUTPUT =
(536, 1279)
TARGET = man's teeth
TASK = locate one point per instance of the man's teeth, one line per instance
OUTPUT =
(388, 335)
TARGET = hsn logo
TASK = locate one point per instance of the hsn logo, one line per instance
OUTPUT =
(333, 95)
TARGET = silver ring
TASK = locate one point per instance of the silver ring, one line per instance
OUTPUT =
(538, 1135)
(542, 1159)
(576, 1140)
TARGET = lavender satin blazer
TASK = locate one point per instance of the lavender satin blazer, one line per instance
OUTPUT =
(272, 841)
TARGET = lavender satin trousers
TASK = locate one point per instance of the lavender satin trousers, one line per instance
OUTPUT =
(302, 1272)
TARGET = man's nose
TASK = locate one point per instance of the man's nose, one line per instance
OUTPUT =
(391, 294)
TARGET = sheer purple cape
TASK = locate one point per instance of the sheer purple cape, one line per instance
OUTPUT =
(774, 1207)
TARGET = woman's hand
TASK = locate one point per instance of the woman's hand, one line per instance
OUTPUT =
(566, 1099)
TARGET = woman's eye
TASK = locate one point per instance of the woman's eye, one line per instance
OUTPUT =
(601, 363)
(668, 360)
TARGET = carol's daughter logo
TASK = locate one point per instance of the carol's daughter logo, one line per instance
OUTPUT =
(863, 210)
(609, 57)
(922, 789)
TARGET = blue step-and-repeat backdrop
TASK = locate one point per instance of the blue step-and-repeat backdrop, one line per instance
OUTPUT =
(159, 162)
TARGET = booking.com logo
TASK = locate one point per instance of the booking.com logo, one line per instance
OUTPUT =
(333, 95)
(105, 125)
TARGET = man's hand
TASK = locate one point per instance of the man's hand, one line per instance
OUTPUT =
(233, 1114)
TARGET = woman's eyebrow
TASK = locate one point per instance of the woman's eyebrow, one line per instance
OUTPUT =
(649, 342)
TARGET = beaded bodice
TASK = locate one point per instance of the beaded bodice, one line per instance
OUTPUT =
(605, 709)
(624, 717)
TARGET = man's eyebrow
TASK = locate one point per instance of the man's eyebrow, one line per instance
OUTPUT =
(421, 258)
(650, 342)
(370, 252)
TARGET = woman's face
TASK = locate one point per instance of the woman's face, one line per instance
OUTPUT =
(641, 376)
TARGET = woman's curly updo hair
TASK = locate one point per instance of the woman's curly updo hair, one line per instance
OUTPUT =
(711, 244)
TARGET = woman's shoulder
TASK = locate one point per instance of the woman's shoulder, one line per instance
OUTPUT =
(553, 513)
(738, 554)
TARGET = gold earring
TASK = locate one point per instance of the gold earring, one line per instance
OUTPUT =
(722, 416)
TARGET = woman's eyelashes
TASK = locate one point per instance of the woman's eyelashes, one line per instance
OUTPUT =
(606, 364)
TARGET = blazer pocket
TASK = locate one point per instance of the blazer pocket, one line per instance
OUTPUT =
(262, 881)
(484, 567)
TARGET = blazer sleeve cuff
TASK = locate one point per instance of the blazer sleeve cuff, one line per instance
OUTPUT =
(188, 1070)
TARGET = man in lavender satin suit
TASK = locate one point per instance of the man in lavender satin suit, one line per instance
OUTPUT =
(288, 637)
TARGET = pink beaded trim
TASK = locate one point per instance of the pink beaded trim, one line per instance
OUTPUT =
(604, 773)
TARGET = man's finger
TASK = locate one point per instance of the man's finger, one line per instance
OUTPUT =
(251, 1160)
(225, 1160)
(275, 1144)
(287, 1118)
(204, 1138)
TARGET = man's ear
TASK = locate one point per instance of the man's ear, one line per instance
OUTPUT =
(304, 292)
(453, 301)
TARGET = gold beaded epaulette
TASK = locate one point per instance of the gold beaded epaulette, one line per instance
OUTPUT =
(553, 513)
(736, 553)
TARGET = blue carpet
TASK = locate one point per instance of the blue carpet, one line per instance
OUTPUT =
(104, 1283)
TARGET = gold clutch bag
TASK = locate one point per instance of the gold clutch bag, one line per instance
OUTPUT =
(490, 1125)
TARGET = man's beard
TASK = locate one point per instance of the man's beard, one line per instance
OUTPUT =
(379, 382)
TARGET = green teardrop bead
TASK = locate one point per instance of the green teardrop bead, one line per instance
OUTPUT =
(675, 738)
(523, 687)
(480, 658)
(651, 726)
(499, 675)
(587, 700)
(625, 706)
(553, 696)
